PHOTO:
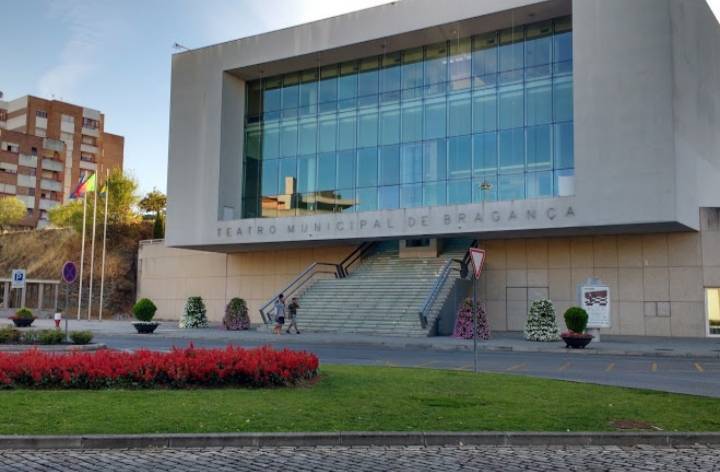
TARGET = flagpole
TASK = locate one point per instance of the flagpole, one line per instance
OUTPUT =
(92, 250)
(102, 277)
(82, 256)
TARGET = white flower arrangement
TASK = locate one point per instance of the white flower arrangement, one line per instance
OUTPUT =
(541, 324)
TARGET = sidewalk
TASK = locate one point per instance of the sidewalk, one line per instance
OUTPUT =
(501, 341)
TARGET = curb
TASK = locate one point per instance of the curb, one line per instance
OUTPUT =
(349, 439)
(17, 348)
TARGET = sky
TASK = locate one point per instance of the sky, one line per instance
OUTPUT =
(114, 56)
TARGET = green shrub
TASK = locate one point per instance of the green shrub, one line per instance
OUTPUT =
(81, 337)
(24, 313)
(144, 310)
(576, 319)
(9, 335)
(195, 314)
(29, 337)
(50, 336)
(236, 315)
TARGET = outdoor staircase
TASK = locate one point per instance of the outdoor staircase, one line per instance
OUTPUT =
(382, 296)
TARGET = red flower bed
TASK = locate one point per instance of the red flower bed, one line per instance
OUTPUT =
(180, 368)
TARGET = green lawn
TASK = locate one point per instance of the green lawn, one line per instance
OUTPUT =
(359, 399)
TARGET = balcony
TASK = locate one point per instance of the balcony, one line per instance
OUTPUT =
(52, 185)
(52, 164)
(46, 204)
(67, 126)
(28, 161)
(91, 132)
(89, 148)
(53, 144)
(88, 165)
(26, 180)
(27, 200)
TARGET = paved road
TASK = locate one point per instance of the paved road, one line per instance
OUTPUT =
(699, 376)
(444, 459)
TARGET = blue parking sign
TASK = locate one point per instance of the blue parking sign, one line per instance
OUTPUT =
(18, 278)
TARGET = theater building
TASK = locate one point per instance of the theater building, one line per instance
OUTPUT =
(570, 139)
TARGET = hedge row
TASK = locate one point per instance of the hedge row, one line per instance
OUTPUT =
(180, 368)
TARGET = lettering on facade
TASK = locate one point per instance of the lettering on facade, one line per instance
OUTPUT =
(478, 221)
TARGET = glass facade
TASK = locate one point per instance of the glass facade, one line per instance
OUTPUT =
(483, 118)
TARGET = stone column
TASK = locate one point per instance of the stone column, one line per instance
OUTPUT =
(55, 298)
(41, 290)
(6, 295)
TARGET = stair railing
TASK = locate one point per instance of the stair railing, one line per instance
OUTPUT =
(340, 271)
(435, 291)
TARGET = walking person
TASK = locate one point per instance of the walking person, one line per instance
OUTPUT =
(279, 314)
(292, 313)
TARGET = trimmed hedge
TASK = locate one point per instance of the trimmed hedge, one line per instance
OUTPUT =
(81, 337)
(179, 368)
(576, 319)
(144, 310)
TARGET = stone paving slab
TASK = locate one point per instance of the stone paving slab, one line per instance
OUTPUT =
(500, 341)
(370, 459)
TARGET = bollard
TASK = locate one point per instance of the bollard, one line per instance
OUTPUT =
(58, 319)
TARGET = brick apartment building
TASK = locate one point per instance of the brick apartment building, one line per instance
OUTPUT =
(46, 146)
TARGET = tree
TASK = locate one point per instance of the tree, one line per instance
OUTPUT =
(12, 211)
(159, 227)
(154, 202)
(121, 189)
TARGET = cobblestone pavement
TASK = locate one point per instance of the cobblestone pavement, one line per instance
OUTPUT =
(319, 459)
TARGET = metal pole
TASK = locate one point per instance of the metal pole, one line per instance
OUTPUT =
(474, 313)
(92, 251)
(102, 276)
(82, 256)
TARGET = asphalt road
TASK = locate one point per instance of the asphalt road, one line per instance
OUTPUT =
(699, 376)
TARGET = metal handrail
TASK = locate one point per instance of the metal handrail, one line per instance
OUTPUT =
(354, 256)
(435, 291)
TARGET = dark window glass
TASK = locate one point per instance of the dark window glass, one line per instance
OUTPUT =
(253, 142)
(459, 157)
(254, 98)
(326, 171)
(389, 165)
(367, 167)
(435, 160)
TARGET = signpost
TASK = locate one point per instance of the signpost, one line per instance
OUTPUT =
(477, 258)
(69, 274)
(17, 280)
(594, 298)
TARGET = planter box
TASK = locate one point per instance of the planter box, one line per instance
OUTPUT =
(143, 327)
(577, 341)
(22, 322)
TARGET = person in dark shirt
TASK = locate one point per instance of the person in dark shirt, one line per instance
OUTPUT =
(292, 313)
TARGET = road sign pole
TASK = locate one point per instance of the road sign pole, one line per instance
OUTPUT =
(474, 313)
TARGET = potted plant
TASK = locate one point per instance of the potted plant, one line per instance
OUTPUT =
(236, 315)
(23, 318)
(195, 315)
(576, 320)
(144, 310)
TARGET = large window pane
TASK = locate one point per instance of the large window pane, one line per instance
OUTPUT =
(485, 60)
(436, 63)
(366, 199)
(269, 185)
(287, 184)
(511, 107)
(328, 84)
(485, 157)
(459, 114)
(562, 46)
(390, 165)
(539, 102)
(459, 157)
(307, 169)
(290, 91)
(539, 148)
(271, 141)
(272, 94)
(288, 138)
(346, 169)
(308, 92)
(368, 77)
(367, 167)
(511, 49)
(327, 132)
(411, 196)
(347, 82)
(435, 160)
(434, 118)
(412, 121)
(485, 188)
(307, 138)
(434, 193)
(253, 141)
(411, 158)
(564, 144)
(326, 171)
(512, 187)
(459, 192)
(367, 129)
(346, 130)
(390, 73)
(512, 150)
(460, 64)
(390, 124)
(563, 99)
(389, 197)
(412, 69)
(254, 98)
(538, 49)
(539, 184)
(485, 111)
(345, 200)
